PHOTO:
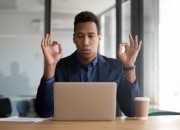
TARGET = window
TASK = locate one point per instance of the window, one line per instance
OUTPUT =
(107, 46)
(169, 52)
(161, 51)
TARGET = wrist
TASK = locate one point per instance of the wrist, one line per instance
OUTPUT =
(129, 68)
(130, 73)
(49, 71)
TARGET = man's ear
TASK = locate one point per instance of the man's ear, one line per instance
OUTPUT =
(99, 37)
(74, 39)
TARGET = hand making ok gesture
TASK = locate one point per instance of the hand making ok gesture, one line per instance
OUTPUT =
(128, 52)
(51, 54)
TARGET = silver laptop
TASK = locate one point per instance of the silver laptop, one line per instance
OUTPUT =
(85, 101)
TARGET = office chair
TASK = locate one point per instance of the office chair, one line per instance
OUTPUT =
(163, 113)
(23, 107)
(5, 107)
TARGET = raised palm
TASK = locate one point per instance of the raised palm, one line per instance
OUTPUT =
(128, 57)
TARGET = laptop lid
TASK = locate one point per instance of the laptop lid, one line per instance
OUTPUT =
(85, 100)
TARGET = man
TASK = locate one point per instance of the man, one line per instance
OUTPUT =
(87, 65)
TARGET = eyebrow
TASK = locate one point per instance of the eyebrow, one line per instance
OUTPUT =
(84, 33)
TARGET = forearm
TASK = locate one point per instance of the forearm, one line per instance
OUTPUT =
(130, 75)
(49, 71)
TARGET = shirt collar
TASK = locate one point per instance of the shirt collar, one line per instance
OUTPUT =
(93, 63)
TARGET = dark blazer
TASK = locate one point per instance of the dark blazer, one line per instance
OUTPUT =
(108, 70)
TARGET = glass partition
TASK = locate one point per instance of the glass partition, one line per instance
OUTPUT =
(22, 27)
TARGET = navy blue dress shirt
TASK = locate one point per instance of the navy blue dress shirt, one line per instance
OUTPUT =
(88, 72)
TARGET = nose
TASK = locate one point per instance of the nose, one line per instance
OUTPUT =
(85, 41)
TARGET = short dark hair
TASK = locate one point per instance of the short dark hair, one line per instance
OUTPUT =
(86, 16)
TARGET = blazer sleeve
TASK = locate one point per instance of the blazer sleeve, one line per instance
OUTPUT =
(44, 99)
(126, 93)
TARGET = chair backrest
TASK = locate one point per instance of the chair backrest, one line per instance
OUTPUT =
(23, 107)
(5, 107)
(26, 108)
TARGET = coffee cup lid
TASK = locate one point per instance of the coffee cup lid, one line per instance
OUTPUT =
(142, 99)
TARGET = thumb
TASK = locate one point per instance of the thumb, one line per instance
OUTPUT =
(60, 49)
(121, 48)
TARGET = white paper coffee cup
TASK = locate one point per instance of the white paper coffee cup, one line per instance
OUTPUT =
(142, 107)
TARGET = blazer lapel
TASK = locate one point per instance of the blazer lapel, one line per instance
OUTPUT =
(73, 71)
(74, 75)
(103, 73)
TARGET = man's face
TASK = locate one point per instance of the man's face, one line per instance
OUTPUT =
(86, 40)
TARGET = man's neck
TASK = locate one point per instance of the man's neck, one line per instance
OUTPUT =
(86, 62)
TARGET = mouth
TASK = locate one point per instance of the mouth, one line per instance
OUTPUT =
(86, 50)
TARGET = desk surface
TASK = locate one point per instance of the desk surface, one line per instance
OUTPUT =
(153, 123)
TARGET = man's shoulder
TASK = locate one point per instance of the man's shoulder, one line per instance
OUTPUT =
(109, 60)
(114, 65)
(66, 61)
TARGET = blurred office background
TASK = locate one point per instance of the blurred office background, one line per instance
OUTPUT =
(22, 26)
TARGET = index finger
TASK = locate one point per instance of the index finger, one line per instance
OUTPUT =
(136, 41)
(131, 40)
(49, 39)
